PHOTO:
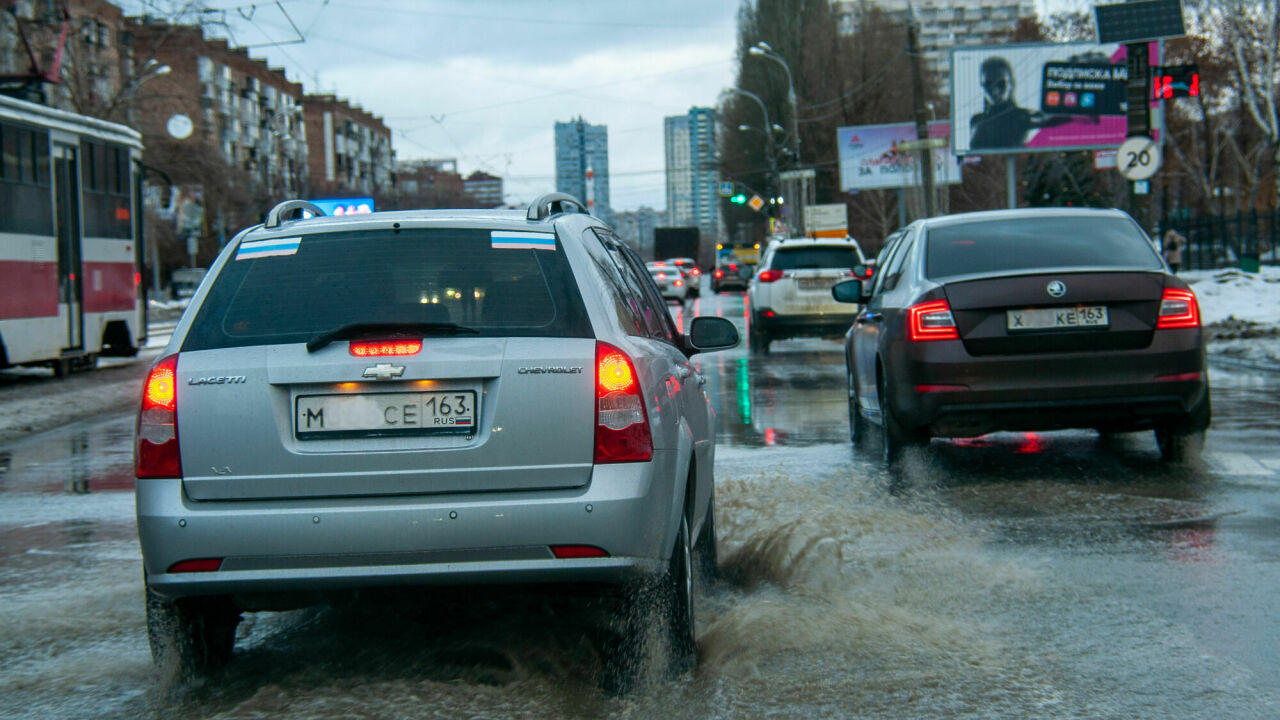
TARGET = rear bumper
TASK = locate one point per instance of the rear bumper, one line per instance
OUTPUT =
(321, 545)
(939, 388)
(814, 323)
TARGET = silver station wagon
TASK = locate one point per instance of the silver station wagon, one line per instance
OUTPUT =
(415, 398)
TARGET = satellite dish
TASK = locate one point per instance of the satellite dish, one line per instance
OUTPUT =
(179, 126)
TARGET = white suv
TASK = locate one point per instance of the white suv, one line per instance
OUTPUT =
(790, 294)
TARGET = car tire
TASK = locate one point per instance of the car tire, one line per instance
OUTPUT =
(675, 603)
(1180, 448)
(857, 424)
(759, 340)
(895, 439)
(192, 636)
(707, 552)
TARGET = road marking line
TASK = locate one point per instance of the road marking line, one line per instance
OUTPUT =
(1238, 464)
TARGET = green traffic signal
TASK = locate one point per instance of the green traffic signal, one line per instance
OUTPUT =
(738, 199)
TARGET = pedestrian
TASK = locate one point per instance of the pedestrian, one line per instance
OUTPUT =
(1174, 242)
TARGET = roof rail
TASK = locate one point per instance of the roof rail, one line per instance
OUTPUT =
(552, 203)
(290, 210)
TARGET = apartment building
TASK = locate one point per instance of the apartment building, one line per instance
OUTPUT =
(350, 149)
(692, 171)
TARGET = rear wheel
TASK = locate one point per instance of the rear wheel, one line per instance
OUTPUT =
(707, 553)
(675, 603)
(895, 438)
(193, 636)
(1180, 448)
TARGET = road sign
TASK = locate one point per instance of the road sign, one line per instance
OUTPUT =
(1138, 158)
(726, 189)
(933, 142)
(756, 203)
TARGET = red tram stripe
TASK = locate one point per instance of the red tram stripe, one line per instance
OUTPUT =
(28, 289)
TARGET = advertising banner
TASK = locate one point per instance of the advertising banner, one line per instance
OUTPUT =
(1039, 97)
(871, 159)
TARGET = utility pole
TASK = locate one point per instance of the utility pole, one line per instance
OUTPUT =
(917, 101)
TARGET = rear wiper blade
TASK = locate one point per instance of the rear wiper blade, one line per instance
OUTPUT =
(388, 330)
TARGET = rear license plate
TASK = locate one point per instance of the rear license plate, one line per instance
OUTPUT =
(379, 414)
(815, 283)
(1087, 316)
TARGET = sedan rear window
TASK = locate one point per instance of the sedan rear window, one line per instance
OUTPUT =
(818, 256)
(1014, 245)
(332, 280)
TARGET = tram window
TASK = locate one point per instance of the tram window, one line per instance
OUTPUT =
(25, 203)
(107, 204)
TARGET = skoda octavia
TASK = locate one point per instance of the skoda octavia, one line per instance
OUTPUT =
(1025, 320)
(422, 398)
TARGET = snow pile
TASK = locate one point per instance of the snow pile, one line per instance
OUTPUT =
(1240, 312)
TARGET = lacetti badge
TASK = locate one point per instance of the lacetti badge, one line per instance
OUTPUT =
(1057, 288)
(217, 380)
(384, 371)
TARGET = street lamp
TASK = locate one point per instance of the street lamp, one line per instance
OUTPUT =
(762, 49)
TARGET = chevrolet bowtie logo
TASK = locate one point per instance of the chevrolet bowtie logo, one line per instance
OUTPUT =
(384, 371)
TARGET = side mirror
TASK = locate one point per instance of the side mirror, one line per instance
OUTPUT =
(707, 334)
(851, 291)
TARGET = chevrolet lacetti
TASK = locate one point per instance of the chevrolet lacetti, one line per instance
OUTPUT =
(1034, 319)
(423, 398)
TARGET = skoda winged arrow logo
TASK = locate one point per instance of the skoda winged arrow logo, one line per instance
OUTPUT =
(384, 371)
(1057, 288)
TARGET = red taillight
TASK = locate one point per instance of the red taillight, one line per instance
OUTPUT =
(198, 565)
(931, 321)
(696, 272)
(768, 276)
(156, 453)
(1178, 309)
(379, 348)
(679, 283)
(719, 274)
(577, 551)
(622, 424)
(733, 266)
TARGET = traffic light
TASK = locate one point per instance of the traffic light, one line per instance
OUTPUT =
(738, 199)
(1174, 81)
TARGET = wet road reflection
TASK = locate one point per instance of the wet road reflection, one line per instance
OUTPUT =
(1014, 575)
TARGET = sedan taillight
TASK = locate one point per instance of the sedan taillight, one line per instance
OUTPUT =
(931, 321)
(768, 276)
(156, 454)
(1178, 309)
(622, 424)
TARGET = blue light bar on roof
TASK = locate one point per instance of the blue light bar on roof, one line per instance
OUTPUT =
(345, 206)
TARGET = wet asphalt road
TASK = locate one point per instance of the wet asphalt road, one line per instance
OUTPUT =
(1016, 575)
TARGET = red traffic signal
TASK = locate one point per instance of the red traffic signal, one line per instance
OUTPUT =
(1175, 81)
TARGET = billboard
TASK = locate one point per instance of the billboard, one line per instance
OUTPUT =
(870, 157)
(1039, 97)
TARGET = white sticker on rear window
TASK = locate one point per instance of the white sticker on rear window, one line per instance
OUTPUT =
(268, 248)
(512, 240)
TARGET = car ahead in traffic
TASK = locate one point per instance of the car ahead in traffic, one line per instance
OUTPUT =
(730, 275)
(692, 274)
(670, 281)
(790, 293)
(422, 398)
(1034, 319)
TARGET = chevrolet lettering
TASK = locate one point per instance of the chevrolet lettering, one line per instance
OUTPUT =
(549, 370)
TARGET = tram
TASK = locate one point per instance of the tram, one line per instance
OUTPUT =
(71, 249)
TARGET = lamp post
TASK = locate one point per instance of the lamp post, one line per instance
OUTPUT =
(771, 149)
(762, 49)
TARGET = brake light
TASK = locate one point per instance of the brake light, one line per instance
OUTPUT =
(768, 276)
(385, 347)
(931, 321)
(696, 272)
(679, 283)
(156, 453)
(577, 551)
(719, 273)
(198, 565)
(1178, 309)
(733, 266)
(622, 424)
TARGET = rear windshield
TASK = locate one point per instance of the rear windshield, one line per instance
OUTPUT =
(468, 277)
(818, 256)
(1033, 243)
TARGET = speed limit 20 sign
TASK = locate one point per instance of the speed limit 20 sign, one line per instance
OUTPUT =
(1138, 158)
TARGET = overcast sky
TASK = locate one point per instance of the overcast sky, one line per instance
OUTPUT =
(484, 81)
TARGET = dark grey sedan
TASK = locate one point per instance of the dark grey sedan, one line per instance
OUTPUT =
(1025, 320)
